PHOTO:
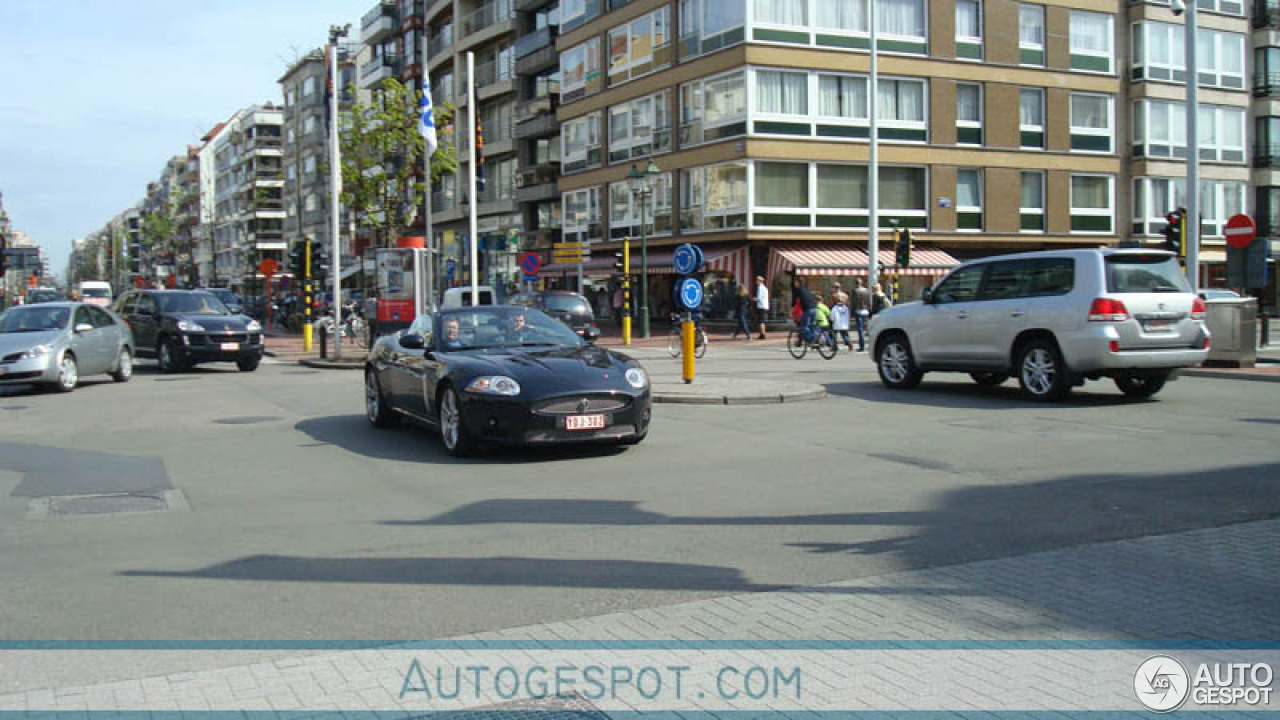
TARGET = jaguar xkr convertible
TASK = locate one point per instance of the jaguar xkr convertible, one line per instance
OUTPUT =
(505, 375)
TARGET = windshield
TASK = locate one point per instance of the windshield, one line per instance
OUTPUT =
(37, 296)
(227, 297)
(500, 326)
(92, 292)
(31, 319)
(191, 304)
(571, 304)
(1145, 274)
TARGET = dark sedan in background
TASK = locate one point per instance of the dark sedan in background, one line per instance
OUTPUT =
(180, 328)
(506, 375)
(569, 308)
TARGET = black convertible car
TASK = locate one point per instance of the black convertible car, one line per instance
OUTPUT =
(505, 375)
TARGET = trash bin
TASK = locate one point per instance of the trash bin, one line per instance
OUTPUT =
(1233, 326)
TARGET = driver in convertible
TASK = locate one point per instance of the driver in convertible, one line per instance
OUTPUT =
(518, 329)
(450, 339)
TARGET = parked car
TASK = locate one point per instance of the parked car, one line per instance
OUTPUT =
(44, 295)
(57, 343)
(1053, 319)
(505, 375)
(181, 328)
(569, 308)
(457, 297)
(233, 301)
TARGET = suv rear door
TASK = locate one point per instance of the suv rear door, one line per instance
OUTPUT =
(1016, 295)
(1158, 298)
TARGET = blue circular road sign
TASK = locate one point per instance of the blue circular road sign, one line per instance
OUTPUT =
(687, 259)
(691, 293)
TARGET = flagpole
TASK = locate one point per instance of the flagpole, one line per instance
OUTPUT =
(471, 190)
(426, 178)
(873, 169)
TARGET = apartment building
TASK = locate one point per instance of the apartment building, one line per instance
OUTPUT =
(249, 213)
(537, 131)
(1266, 119)
(306, 141)
(1002, 127)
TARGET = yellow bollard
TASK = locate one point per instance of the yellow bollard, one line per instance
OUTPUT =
(306, 337)
(686, 340)
(626, 329)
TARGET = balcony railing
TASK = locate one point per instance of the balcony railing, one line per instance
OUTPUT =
(1266, 155)
(383, 9)
(483, 17)
(441, 40)
(532, 42)
(1266, 14)
(1266, 84)
(441, 200)
(495, 71)
(388, 60)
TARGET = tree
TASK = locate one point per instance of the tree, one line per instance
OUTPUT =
(381, 154)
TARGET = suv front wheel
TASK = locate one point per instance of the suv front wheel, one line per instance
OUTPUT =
(897, 368)
(1042, 373)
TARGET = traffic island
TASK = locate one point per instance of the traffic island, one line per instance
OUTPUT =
(733, 391)
(333, 364)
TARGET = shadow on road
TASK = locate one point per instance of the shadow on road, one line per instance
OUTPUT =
(969, 395)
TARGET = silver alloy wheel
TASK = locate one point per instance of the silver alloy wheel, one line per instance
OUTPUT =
(372, 397)
(894, 361)
(450, 418)
(125, 367)
(68, 373)
(1039, 371)
(165, 359)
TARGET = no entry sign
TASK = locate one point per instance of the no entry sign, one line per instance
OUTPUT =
(1241, 230)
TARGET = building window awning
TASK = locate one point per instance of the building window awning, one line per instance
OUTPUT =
(734, 260)
(842, 259)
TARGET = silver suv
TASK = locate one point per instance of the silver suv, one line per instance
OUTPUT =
(1053, 318)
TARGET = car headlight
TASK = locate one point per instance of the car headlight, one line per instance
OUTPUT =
(38, 351)
(253, 327)
(188, 326)
(494, 385)
(637, 378)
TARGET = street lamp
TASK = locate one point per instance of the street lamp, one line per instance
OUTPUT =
(642, 186)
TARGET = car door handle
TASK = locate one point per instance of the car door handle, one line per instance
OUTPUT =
(1016, 313)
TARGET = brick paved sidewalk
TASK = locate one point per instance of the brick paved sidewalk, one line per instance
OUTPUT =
(1061, 630)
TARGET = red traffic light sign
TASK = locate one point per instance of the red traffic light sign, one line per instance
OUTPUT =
(1240, 231)
(268, 268)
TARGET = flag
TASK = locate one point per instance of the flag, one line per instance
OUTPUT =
(479, 145)
(427, 118)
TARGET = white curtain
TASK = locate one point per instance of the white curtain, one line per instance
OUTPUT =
(967, 103)
(1233, 129)
(968, 190)
(968, 20)
(782, 184)
(1090, 192)
(839, 14)
(1032, 190)
(900, 17)
(1178, 123)
(1232, 54)
(900, 100)
(842, 187)
(1090, 111)
(902, 188)
(1031, 108)
(1207, 118)
(1205, 52)
(1159, 125)
(844, 97)
(1090, 32)
(1031, 25)
(778, 12)
(781, 92)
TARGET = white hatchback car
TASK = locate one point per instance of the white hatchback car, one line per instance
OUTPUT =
(1053, 319)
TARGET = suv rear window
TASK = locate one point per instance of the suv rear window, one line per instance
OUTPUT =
(566, 304)
(1145, 274)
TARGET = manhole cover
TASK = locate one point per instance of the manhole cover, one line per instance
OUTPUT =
(247, 420)
(108, 504)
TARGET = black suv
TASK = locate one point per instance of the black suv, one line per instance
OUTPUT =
(569, 308)
(183, 327)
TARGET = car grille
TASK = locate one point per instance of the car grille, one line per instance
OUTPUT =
(216, 338)
(15, 357)
(582, 404)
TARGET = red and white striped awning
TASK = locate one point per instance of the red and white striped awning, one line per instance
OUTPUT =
(843, 259)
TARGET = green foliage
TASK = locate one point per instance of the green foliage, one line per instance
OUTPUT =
(381, 154)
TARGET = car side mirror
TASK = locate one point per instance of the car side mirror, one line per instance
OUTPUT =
(926, 296)
(591, 334)
(413, 341)
(83, 327)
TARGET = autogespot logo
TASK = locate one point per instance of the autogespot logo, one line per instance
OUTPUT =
(1162, 683)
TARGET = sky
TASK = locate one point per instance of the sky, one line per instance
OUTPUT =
(96, 95)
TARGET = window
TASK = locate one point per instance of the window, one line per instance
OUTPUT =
(709, 25)
(309, 125)
(847, 15)
(1031, 201)
(969, 29)
(968, 114)
(1031, 117)
(968, 199)
(903, 18)
(713, 198)
(580, 143)
(835, 196)
(1008, 279)
(843, 187)
(903, 191)
(1031, 34)
(780, 12)
(582, 215)
(309, 87)
(576, 12)
(785, 95)
(311, 203)
(713, 108)
(1091, 203)
(1159, 129)
(1153, 200)
(309, 165)
(782, 185)
(625, 209)
(961, 285)
(1091, 122)
(1092, 39)
(640, 128)
(639, 47)
(1220, 56)
(1158, 55)
(1221, 131)
(580, 71)
(900, 105)
(1219, 200)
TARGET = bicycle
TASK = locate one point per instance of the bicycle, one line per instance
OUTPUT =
(675, 339)
(353, 329)
(823, 340)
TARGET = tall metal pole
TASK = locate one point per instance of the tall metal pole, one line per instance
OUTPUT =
(473, 223)
(873, 169)
(644, 261)
(1192, 220)
(335, 188)
(426, 179)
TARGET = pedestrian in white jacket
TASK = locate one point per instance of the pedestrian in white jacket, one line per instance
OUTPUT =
(840, 318)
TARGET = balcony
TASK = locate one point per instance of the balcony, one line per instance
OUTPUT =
(378, 69)
(379, 23)
(1266, 15)
(531, 5)
(1266, 85)
(533, 41)
(1266, 155)
(544, 125)
(538, 60)
(489, 14)
(440, 41)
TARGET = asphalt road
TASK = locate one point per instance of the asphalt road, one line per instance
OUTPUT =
(304, 523)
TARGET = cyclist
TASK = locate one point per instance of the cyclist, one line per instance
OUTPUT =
(808, 307)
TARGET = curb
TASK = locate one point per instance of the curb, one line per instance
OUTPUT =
(1227, 374)
(678, 399)
(330, 365)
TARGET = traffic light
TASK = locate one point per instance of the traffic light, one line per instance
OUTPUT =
(904, 248)
(1174, 232)
(4, 247)
(297, 257)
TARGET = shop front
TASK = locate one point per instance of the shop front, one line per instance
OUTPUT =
(823, 265)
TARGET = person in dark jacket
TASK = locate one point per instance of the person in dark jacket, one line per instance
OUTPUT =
(742, 306)
(808, 307)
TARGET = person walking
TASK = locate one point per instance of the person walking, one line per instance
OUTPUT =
(861, 311)
(840, 318)
(880, 301)
(742, 306)
(762, 304)
(617, 305)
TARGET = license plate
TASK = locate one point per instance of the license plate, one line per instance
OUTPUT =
(1158, 325)
(584, 422)
(230, 346)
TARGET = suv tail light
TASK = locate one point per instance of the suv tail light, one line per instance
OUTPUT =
(1107, 310)
(1197, 309)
